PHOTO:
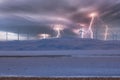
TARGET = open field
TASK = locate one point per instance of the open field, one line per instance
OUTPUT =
(55, 64)
(48, 53)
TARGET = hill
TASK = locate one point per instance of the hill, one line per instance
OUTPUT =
(59, 44)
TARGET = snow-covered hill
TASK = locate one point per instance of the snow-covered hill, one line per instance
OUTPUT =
(59, 44)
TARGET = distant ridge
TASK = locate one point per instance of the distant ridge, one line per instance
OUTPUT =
(69, 43)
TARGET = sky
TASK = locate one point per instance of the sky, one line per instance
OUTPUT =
(35, 17)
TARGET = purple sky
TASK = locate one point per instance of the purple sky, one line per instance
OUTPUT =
(33, 16)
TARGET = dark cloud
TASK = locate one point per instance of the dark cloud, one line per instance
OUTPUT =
(27, 15)
(54, 6)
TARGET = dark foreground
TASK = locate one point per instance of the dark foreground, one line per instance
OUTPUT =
(18, 78)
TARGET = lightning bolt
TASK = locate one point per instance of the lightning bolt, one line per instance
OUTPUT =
(90, 27)
(58, 34)
(93, 15)
(58, 28)
(106, 29)
(106, 32)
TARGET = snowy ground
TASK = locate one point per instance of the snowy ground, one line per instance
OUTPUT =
(71, 63)
(59, 44)
(72, 53)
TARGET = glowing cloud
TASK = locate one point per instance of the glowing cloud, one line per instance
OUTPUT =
(44, 36)
(58, 28)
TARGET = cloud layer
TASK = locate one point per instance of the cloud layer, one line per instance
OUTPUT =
(35, 16)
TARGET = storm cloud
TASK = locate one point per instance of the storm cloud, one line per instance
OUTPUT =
(35, 16)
